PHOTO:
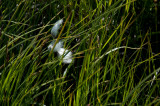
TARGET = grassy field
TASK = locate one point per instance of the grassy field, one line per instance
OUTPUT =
(114, 45)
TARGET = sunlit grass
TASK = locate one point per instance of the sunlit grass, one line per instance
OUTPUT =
(111, 66)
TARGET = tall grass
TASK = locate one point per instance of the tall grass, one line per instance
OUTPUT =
(114, 63)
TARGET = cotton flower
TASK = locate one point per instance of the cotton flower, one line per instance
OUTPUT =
(66, 55)
(57, 47)
(62, 53)
(56, 27)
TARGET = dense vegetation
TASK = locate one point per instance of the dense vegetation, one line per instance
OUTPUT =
(115, 46)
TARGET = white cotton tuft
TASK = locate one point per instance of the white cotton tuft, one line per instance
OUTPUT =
(56, 27)
(66, 54)
(57, 47)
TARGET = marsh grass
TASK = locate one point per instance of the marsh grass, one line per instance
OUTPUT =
(111, 66)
